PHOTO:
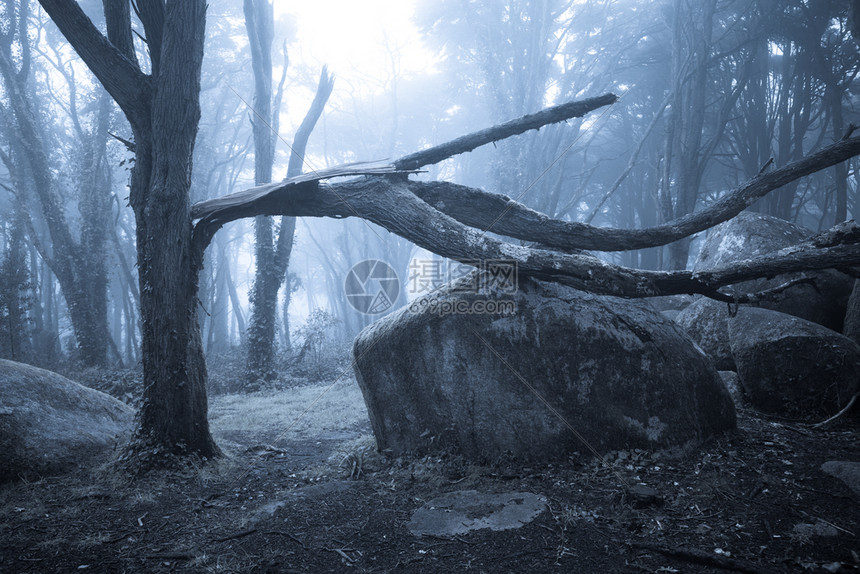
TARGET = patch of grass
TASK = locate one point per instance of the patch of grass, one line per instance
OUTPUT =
(299, 412)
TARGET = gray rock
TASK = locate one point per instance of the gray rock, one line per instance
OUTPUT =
(851, 327)
(49, 423)
(670, 302)
(845, 470)
(706, 322)
(618, 373)
(670, 314)
(752, 234)
(457, 513)
(818, 528)
(793, 367)
(730, 378)
(746, 236)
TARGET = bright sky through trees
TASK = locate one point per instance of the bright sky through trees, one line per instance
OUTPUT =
(357, 39)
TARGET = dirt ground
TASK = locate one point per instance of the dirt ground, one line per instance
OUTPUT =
(303, 490)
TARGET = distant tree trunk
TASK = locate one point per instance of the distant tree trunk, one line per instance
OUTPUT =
(294, 168)
(78, 264)
(691, 44)
(272, 257)
(95, 189)
(219, 332)
(14, 290)
(264, 296)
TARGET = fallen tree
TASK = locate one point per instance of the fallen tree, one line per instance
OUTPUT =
(453, 220)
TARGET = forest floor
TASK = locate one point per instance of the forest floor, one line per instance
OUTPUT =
(303, 490)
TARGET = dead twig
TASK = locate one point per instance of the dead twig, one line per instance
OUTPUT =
(236, 535)
(844, 410)
(699, 557)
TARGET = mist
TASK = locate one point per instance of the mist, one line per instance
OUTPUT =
(490, 228)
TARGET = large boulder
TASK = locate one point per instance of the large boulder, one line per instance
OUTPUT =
(612, 370)
(706, 322)
(822, 300)
(851, 328)
(49, 423)
(665, 303)
(792, 367)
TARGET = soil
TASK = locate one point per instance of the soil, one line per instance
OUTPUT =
(322, 500)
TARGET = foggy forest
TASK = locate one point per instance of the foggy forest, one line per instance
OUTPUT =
(429, 286)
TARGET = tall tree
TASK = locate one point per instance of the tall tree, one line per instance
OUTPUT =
(163, 109)
(261, 334)
(14, 295)
(272, 256)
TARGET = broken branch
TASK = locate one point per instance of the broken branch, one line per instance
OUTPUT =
(474, 140)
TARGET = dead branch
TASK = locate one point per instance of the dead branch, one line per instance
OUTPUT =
(480, 209)
(248, 197)
(773, 293)
(475, 140)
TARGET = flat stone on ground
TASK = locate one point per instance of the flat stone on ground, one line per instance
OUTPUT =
(461, 512)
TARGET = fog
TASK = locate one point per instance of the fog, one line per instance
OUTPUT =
(708, 93)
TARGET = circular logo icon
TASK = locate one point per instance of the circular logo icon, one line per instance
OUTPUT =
(371, 287)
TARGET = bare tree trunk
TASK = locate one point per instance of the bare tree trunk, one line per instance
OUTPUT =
(272, 257)
(840, 171)
(690, 68)
(261, 332)
(163, 109)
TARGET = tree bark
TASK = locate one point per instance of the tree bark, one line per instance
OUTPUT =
(163, 109)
